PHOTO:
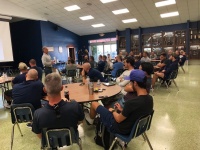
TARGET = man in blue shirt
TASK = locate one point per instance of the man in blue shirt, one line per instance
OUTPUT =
(33, 65)
(92, 73)
(29, 91)
(117, 66)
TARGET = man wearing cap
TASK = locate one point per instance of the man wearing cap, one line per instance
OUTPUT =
(18, 79)
(121, 120)
(46, 61)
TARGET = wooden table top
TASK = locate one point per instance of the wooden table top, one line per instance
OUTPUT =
(2, 80)
(81, 93)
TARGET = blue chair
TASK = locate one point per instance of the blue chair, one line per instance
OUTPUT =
(139, 128)
(55, 138)
(20, 113)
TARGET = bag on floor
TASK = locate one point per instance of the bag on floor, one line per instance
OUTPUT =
(103, 137)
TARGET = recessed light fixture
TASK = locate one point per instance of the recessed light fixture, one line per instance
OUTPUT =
(171, 14)
(72, 8)
(107, 1)
(120, 11)
(86, 17)
(129, 20)
(98, 25)
(165, 3)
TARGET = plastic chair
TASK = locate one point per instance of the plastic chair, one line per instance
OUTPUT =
(20, 113)
(71, 73)
(139, 128)
(170, 79)
(55, 138)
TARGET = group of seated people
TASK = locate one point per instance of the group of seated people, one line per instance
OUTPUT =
(118, 117)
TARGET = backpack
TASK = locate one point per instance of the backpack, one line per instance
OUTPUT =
(103, 137)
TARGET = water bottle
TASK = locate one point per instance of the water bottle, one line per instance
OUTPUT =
(98, 84)
(87, 81)
(91, 88)
(66, 93)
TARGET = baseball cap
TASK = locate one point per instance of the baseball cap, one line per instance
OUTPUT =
(22, 66)
(136, 75)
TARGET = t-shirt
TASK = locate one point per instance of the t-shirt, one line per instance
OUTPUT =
(39, 70)
(101, 65)
(20, 78)
(116, 66)
(70, 114)
(28, 92)
(133, 110)
(95, 75)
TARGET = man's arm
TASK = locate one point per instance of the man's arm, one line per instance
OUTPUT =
(39, 135)
(118, 116)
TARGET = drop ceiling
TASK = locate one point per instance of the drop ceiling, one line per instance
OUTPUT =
(144, 11)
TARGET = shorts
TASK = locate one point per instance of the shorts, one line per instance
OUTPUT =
(106, 118)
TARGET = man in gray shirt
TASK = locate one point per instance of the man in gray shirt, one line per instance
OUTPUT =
(46, 61)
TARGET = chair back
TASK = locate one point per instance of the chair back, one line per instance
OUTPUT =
(119, 72)
(173, 74)
(21, 113)
(141, 125)
(71, 73)
(59, 137)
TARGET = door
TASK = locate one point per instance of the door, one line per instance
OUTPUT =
(71, 53)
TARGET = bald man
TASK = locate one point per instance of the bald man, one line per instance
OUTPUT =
(46, 61)
(29, 91)
(93, 74)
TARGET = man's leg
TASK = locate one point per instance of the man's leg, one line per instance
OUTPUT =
(47, 70)
(93, 108)
(155, 77)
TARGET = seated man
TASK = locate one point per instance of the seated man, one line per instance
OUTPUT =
(183, 58)
(29, 91)
(122, 120)
(93, 74)
(163, 62)
(33, 65)
(128, 63)
(167, 71)
(57, 113)
(101, 64)
(118, 65)
(18, 79)
(145, 57)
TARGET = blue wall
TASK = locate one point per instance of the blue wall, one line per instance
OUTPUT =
(54, 36)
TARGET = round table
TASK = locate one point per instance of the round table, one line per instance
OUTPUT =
(81, 93)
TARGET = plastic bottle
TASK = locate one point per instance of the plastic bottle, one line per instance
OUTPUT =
(87, 81)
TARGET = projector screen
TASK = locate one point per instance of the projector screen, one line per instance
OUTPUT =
(6, 53)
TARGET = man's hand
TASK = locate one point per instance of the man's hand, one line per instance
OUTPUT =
(118, 106)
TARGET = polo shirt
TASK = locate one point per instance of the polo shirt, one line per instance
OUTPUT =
(95, 75)
(46, 117)
(20, 78)
(39, 70)
(28, 92)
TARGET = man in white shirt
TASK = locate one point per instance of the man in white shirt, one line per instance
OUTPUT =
(145, 57)
(128, 63)
(46, 61)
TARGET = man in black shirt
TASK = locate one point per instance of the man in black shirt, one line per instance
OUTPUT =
(33, 65)
(121, 120)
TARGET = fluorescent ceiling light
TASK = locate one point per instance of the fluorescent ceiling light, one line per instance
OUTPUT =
(129, 20)
(86, 17)
(98, 25)
(120, 11)
(5, 17)
(71, 8)
(165, 3)
(107, 1)
(171, 14)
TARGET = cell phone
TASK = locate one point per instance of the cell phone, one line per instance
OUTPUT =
(100, 90)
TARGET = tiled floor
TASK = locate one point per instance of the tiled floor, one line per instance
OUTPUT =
(175, 125)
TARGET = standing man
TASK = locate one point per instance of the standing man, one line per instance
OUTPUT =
(46, 61)
(33, 65)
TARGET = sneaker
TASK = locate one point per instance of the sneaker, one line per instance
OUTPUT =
(88, 120)
(6, 105)
(29, 125)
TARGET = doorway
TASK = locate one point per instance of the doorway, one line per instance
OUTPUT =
(71, 53)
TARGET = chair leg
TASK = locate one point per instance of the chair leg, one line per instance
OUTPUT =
(148, 141)
(183, 69)
(19, 129)
(113, 143)
(167, 86)
(175, 84)
(143, 137)
(80, 143)
(12, 135)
